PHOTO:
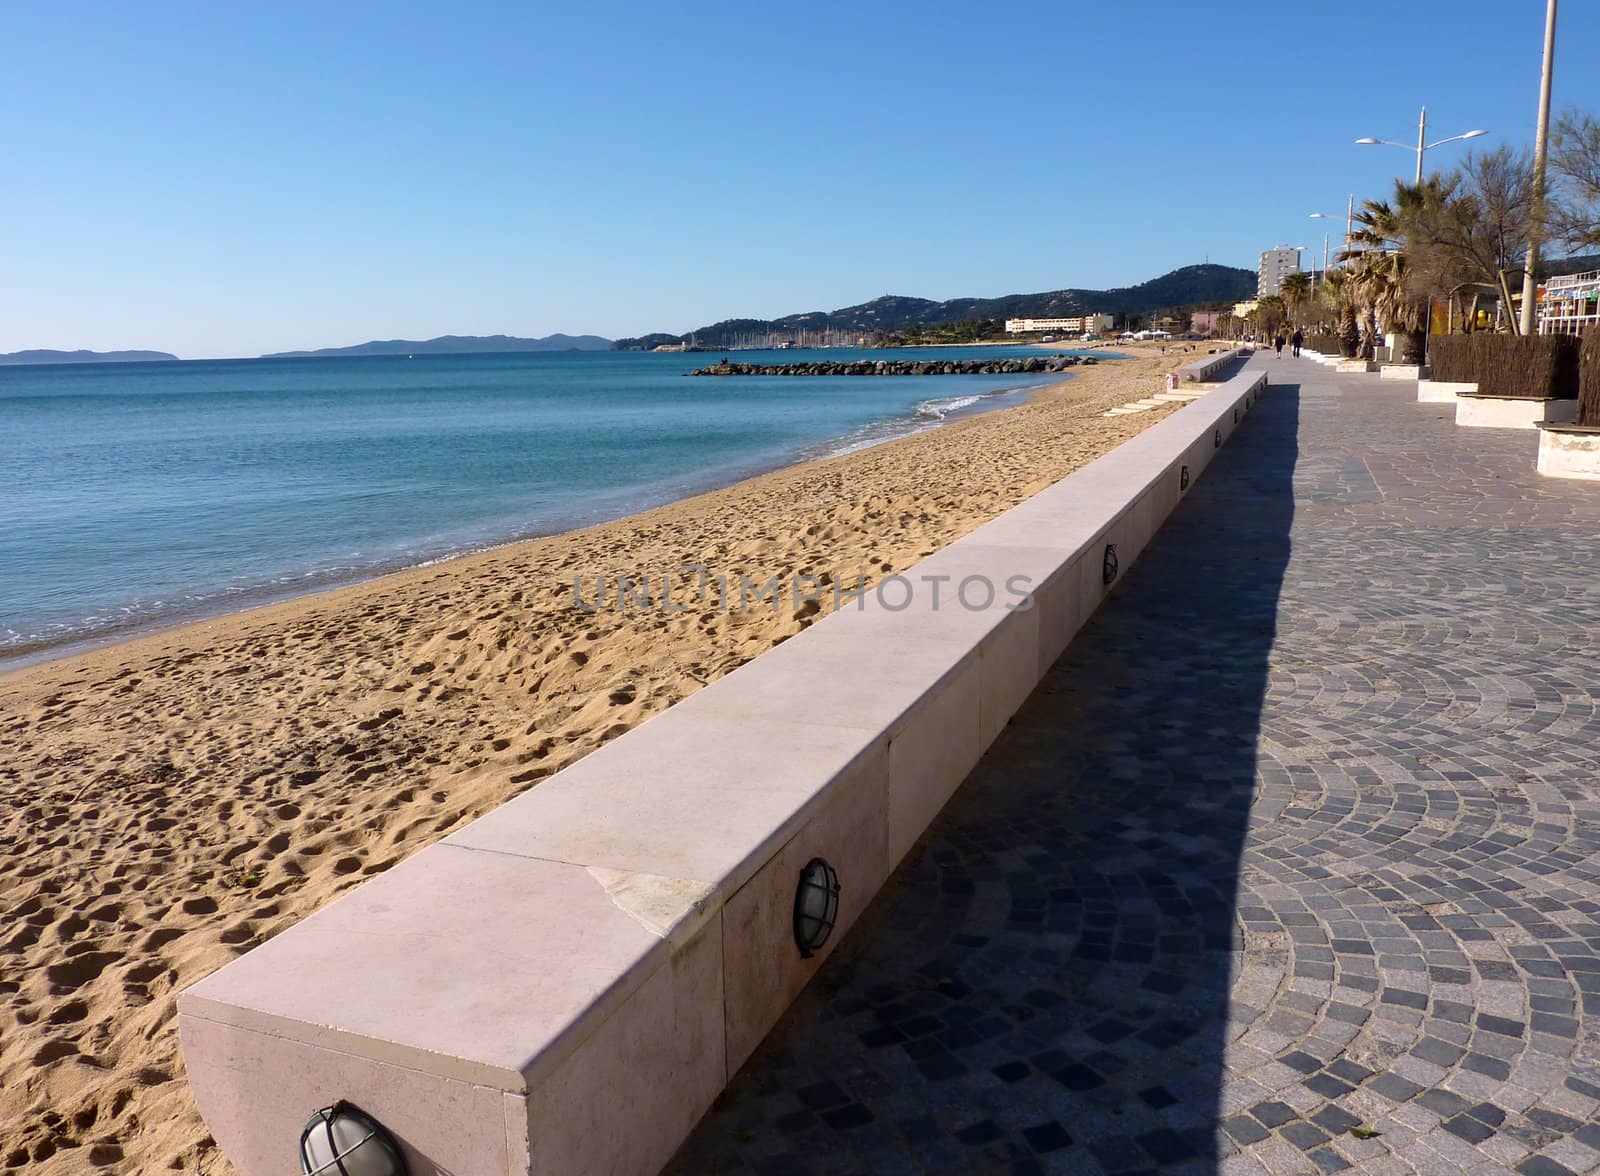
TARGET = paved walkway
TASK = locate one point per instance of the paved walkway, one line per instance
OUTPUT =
(1289, 865)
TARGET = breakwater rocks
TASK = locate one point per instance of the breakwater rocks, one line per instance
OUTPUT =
(902, 367)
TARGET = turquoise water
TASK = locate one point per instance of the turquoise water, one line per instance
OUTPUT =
(138, 495)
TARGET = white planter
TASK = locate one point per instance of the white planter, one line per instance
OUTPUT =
(1569, 451)
(1353, 365)
(1401, 371)
(1442, 391)
(1477, 411)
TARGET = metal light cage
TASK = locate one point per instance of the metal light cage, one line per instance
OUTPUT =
(1109, 565)
(816, 906)
(343, 1140)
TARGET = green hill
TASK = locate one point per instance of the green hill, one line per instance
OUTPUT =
(1193, 285)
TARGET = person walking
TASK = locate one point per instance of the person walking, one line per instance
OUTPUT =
(1295, 340)
(1277, 343)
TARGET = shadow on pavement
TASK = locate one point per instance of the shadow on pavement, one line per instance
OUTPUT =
(1044, 984)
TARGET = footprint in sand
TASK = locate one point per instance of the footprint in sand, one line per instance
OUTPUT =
(81, 969)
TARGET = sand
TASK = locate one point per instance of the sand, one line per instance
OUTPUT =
(171, 801)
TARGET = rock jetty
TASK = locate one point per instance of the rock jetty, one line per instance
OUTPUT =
(902, 367)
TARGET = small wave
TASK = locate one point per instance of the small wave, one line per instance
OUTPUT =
(939, 409)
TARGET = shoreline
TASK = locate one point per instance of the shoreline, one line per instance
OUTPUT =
(173, 799)
(26, 656)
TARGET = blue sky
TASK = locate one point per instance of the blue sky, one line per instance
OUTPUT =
(218, 179)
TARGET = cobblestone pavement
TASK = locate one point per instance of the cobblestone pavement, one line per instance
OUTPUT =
(1289, 865)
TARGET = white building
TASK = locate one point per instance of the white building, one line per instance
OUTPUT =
(1276, 264)
(1082, 324)
(1570, 305)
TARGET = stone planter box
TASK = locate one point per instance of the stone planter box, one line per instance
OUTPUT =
(1442, 391)
(1403, 371)
(1475, 410)
(1355, 365)
(1569, 451)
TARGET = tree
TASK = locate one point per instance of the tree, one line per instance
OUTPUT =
(1469, 231)
(1338, 294)
(1385, 284)
(1296, 292)
(1269, 314)
(1575, 160)
(1384, 289)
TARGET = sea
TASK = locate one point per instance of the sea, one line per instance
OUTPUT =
(142, 495)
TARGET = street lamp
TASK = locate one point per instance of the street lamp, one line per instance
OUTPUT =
(1530, 268)
(1349, 227)
(1422, 147)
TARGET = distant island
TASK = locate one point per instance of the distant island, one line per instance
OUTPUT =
(884, 318)
(40, 355)
(455, 345)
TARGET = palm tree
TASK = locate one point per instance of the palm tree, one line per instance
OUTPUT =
(1338, 294)
(1295, 291)
(1381, 276)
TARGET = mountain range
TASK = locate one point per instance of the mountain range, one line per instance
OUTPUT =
(1186, 288)
(1192, 285)
(456, 345)
(44, 355)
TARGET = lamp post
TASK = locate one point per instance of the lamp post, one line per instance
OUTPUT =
(1530, 280)
(1423, 146)
(1349, 227)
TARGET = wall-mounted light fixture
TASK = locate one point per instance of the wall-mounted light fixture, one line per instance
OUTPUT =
(1216, 439)
(343, 1140)
(1236, 414)
(1108, 566)
(816, 906)
(1183, 478)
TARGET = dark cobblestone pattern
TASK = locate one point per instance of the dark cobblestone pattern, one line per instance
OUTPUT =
(1290, 865)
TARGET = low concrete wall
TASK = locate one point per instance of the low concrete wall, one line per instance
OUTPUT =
(1401, 371)
(1569, 451)
(1202, 370)
(1354, 365)
(566, 984)
(1442, 391)
(1476, 410)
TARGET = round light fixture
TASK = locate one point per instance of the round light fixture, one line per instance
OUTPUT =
(343, 1140)
(1108, 566)
(816, 906)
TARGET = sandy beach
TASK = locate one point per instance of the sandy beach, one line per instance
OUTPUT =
(174, 800)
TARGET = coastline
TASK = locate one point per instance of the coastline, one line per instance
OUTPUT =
(177, 797)
(292, 587)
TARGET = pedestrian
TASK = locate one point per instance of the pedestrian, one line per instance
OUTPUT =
(1295, 340)
(1277, 344)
